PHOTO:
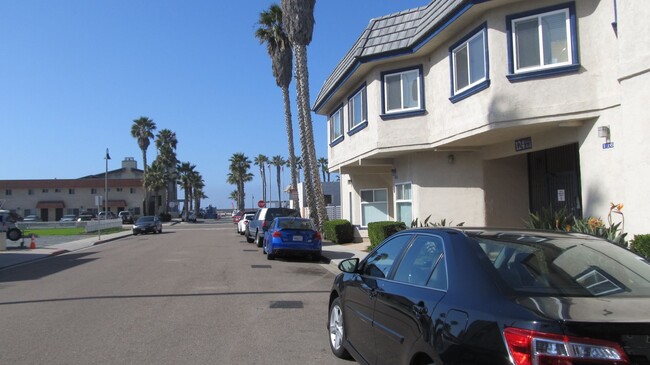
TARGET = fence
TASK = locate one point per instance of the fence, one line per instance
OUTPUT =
(90, 226)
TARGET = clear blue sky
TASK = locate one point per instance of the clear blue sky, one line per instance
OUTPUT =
(75, 73)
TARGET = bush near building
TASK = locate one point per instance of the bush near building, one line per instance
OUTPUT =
(641, 245)
(379, 231)
(339, 231)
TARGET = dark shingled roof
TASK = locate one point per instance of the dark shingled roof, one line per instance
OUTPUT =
(391, 35)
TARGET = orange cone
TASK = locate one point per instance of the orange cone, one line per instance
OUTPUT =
(33, 244)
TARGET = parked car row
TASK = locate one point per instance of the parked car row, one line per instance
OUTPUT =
(279, 232)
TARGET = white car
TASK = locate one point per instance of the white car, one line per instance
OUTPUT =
(243, 222)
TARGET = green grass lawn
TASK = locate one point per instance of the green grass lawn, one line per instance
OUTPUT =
(68, 231)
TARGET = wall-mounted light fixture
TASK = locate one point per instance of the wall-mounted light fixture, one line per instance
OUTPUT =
(451, 159)
(603, 132)
(394, 173)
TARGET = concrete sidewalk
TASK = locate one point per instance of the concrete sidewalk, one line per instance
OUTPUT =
(333, 253)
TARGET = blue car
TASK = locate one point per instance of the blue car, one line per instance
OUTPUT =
(292, 236)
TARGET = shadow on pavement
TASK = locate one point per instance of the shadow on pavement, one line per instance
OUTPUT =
(44, 268)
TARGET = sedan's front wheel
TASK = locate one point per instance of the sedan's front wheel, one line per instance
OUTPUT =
(336, 330)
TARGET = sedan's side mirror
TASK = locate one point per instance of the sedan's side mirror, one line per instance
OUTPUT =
(349, 265)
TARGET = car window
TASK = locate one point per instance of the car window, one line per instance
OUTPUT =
(303, 224)
(379, 263)
(567, 266)
(423, 256)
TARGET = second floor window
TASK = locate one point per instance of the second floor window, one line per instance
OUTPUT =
(336, 125)
(542, 41)
(469, 62)
(70, 191)
(402, 91)
(357, 108)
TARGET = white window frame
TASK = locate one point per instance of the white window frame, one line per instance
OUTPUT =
(398, 200)
(363, 223)
(542, 66)
(465, 45)
(352, 106)
(332, 120)
(418, 93)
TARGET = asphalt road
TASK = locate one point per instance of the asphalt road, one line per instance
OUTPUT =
(195, 294)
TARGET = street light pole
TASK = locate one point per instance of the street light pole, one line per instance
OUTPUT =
(107, 157)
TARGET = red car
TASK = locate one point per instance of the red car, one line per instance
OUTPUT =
(237, 217)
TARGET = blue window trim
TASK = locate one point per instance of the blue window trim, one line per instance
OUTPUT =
(408, 113)
(358, 128)
(575, 60)
(337, 141)
(456, 97)
(340, 138)
(352, 130)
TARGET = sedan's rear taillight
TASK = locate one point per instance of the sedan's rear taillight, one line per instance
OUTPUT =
(317, 236)
(277, 234)
(537, 348)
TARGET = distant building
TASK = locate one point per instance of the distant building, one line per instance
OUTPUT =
(51, 199)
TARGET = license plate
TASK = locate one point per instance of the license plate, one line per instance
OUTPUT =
(297, 238)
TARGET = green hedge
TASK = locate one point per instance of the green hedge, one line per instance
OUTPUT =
(641, 245)
(339, 231)
(379, 231)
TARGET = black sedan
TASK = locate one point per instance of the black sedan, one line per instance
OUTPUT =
(147, 223)
(483, 296)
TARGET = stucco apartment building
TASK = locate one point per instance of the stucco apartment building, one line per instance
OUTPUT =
(50, 199)
(481, 111)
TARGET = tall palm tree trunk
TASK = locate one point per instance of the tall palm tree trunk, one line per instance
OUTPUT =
(263, 173)
(300, 53)
(309, 190)
(292, 153)
(279, 186)
(145, 203)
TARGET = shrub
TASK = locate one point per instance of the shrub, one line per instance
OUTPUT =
(549, 219)
(379, 231)
(443, 223)
(165, 217)
(641, 245)
(339, 231)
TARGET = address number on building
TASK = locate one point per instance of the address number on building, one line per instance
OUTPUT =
(523, 144)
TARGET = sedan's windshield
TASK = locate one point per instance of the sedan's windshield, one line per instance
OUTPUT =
(567, 266)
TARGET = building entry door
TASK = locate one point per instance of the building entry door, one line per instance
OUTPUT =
(45, 214)
(554, 179)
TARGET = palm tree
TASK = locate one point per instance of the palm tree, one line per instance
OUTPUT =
(298, 166)
(278, 162)
(239, 165)
(142, 130)
(166, 144)
(322, 162)
(155, 179)
(260, 161)
(234, 195)
(185, 171)
(198, 195)
(298, 21)
(271, 32)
